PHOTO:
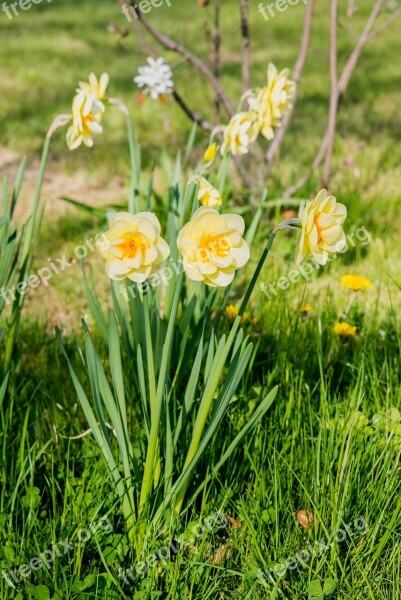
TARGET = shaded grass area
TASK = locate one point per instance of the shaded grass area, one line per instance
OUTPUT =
(331, 445)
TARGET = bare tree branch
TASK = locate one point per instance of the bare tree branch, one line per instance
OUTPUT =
(194, 60)
(296, 76)
(355, 55)
(246, 49)
(191, 114)
(216, 52)
(342, 87)
(331, 126)
(385, 24)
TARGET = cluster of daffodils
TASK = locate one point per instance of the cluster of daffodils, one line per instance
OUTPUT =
(267, 106)
(88, 107)
(211, 244)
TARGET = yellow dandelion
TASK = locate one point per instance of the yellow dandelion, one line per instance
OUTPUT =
(356, 282)
(232, 314)
(306, 308)
(344, 329)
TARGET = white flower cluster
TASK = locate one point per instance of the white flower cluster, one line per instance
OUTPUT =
(155, 78)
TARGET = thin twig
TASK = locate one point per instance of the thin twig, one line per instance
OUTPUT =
(342, 86)
(331, 126)
(296, 76)
(246, 49)
(385, 24)
(192, 114)
(216, 52)
(355, 55)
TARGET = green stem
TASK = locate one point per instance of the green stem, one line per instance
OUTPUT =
(132, 199)
(256, 274)
(155, 421)
(31, 239)
(213, 381)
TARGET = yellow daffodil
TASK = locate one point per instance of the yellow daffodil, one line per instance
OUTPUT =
(273, 101)
(240, 133)
(93, 93)
(208, 195)
(210, 153)
(356, 282)
(212, 247)
(133, 247)
(84, 125)
(87, 111)
(344, 329)
(321, 222)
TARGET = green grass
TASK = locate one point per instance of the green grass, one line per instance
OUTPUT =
(330, 444)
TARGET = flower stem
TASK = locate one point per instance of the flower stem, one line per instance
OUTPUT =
(213, 381)
(30, 241)
(134, 180)
(256, 274)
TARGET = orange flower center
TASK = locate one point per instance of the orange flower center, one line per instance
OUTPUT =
(86, 120)
(216, 245)
(133, 243)
(319, 229)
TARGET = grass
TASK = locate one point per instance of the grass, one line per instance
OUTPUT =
(330, 444)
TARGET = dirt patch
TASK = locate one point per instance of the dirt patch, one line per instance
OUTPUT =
(79, 185)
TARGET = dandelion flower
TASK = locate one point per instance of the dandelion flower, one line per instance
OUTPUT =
(155, 78)
(306, 308)
(212, 247)
(344, 329)
(133, 247)
(321, 222)
(355, 282)
(231, 312)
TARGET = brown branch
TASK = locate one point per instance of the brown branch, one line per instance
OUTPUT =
(192, 114)
(342, 87)
(194, 60)
(246, 49)
(385, 24)
(216, 52)
(334, 97)
(296, 76)
(355, 55)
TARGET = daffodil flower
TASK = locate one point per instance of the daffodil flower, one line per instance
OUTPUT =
(212, 247)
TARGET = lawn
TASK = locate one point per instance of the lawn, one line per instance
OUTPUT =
(308, 505)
